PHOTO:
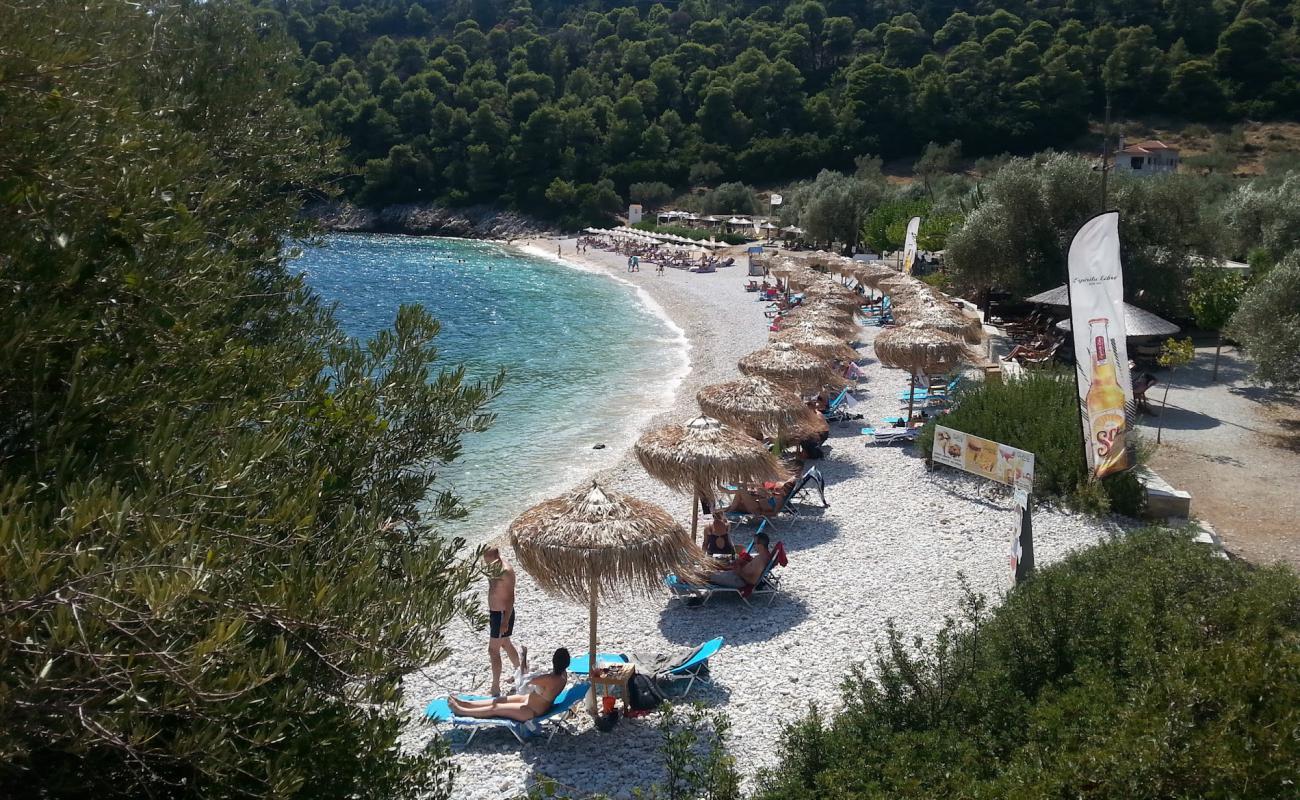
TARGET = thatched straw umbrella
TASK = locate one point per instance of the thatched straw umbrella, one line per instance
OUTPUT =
(833, 294)
(594, 541)
(756, 405)
(941, 316)
(702, 456)
(813, 428)
(834, 320)
(816, 341)
(917, 348)
(786, 365)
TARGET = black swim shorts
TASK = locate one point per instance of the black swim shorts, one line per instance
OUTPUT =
(498, 631)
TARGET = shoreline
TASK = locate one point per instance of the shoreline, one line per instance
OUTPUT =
(892, 546)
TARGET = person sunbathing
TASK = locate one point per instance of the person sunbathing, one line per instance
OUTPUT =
(765, 500)
(748, 573)
(1035, 349)
(540, 690)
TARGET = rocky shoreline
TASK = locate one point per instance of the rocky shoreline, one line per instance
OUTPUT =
(427, 219)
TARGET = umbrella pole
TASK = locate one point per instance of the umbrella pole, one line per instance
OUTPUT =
(911, 398)
(591, 648)
(695, 512)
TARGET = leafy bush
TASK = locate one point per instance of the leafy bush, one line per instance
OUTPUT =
(1145, 667)
(1039, 413)
(692, 233)
(217, 544)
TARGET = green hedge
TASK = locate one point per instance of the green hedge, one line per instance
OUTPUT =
(692, 233)
(1145, 667)
(1040, 413)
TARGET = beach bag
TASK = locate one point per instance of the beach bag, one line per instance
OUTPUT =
(643, 694)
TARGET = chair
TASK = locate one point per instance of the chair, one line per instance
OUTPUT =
(440, 711)
(693, 667)
(835, 409)
(810, 480)
(890, 435)
(769, 583)
(942, 390)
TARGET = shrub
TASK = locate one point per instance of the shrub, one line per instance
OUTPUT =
(1145, 667)
(691, 233)
(1039, 413)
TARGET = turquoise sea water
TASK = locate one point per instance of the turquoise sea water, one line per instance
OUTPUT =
(585, 359)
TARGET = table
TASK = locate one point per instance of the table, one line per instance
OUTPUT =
(611, 677)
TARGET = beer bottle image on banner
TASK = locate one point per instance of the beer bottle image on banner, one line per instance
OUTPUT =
(1105, 404)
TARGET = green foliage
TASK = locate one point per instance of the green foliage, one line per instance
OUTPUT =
(1213, 298)
(1268, 324)
(1039, 413)
(218, 552)
(1264, 218)
(1104, 674)
(1175, 353)
(651, 194)
(696, 93)
(697, 234)
(1019, 235)
(831, 208)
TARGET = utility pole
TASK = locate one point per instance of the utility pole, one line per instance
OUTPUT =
(1105, 153)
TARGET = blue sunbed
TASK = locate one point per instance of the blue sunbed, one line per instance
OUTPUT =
(440, 711)
(688, 670)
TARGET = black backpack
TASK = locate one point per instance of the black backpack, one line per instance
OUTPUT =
(643, 694)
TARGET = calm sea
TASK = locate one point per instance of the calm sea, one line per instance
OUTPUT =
(586, 359)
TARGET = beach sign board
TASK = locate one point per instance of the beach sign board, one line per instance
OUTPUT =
(983, 457)
(1101, 343)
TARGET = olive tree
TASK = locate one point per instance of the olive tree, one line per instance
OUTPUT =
(218, 541)
(1268, 324)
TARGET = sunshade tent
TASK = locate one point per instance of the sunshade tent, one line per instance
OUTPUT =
(816, 341)
(594, 542)
(1138, 322)
(756, 405)
(787, 365)
(702, 456)
(828, 291)
(822, 318)
(917, 348)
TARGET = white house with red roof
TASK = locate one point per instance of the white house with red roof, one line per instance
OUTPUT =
(1146, 158)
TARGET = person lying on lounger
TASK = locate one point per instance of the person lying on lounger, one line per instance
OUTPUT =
(764, 500)
(540, 691)
(749, 572)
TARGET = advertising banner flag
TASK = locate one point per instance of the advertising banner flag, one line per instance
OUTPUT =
(997, 462)
(776, 199)
(909, 244)
(1100, 343)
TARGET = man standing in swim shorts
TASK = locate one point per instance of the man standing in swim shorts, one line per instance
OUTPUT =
(501, 613)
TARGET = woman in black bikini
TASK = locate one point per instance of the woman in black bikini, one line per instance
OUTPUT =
(717, 538)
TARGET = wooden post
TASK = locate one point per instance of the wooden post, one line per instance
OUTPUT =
(591, 647)
(695, 512)
(911, 397)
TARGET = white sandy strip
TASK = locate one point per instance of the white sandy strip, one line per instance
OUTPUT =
(891, 545)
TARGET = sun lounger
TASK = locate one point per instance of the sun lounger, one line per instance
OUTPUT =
(812, 479)
(835, 409)
(440, 711)
(942, 390)
(769, 583)
(690, 666)
(890, 435)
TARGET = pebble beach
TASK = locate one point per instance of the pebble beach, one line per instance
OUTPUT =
(896, 543)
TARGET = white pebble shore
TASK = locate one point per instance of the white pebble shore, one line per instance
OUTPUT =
(893, 544)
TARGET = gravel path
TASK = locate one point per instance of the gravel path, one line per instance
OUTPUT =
(893, 544)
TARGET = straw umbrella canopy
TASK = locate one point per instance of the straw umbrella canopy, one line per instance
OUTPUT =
(786, 365)
(824, 318)
(757, 405)
(918, 348)
(813, 428)
(817, 341)
(832, 293)
(702, 456)
(594, 542)
(944, 317)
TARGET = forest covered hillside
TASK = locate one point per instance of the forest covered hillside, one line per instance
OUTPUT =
(558, 107)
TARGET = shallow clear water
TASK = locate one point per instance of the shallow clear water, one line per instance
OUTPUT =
(584, 358)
